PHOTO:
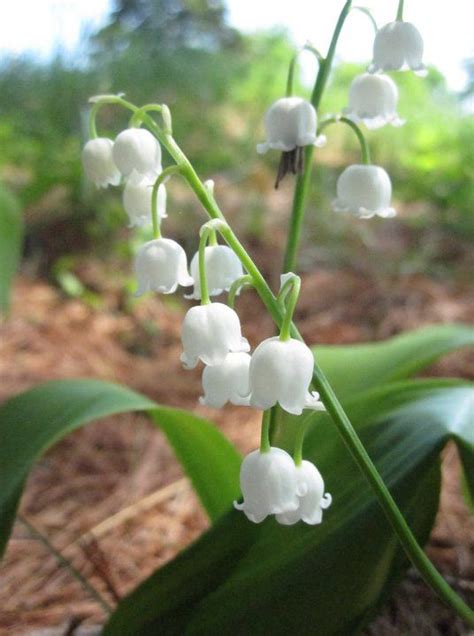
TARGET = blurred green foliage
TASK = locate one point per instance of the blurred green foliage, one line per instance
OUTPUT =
(217, 83)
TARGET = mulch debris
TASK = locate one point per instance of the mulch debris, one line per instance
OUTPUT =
(112, 498)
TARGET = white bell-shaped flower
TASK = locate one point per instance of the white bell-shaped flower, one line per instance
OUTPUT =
(398, 46)
(137, 196)
(227, 381)
(373, 100)
(312, 500)
(222, 268)
(268, 484)
(290, 122)
(209, 333)
(161, 266)
(364, 191)
(281, 372)
(99, 164)
(137, 149)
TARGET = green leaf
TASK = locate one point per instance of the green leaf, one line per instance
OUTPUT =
(210, 460)
(412, 400)
(269, 579)
(359, 367)
(11, 235)
(33, 421)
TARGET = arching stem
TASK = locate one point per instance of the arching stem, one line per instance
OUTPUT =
(162, 177)
(294, 60)
(364, 146)
(237, 285)
(285, 331)
(368, 13)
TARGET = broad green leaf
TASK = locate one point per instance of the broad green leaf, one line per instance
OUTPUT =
(359, 367)
(33, 421)
(214, 473)
(269, 579)
(11, 234)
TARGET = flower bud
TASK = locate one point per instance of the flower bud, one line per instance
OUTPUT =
(137, 149)
(209, 333)
(161, 266)
(373, 100)
(312, 500)
(364, 191)
(222, 269)
(268, 484)
(281, 372)
(98, 162)
(227, 381)
(290, 122)
(398, 46)
(137, 198)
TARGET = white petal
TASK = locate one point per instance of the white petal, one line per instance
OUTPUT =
(268, 484)
(209, 333)
(98, 162)
(227, 381)
(312, 502)
(397, 46)
(363, 190)
(137, 149)
(281, 371)
(313, 402)
(137, 199)
(373, 100)
(222, 268)
(289, 122)
(160, 266)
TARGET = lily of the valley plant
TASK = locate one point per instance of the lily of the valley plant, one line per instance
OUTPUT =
(280, 373)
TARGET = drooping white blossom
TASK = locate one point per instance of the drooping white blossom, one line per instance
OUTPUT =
(227, 381)
(161, 266)
(373, 100)
(99, 164)
(281, 372)
(222, 268)
(209, 333)
(268, 484)
(136, 149)
(137, 198)
(312, 500)
(364, 191)
(398, 46)
(290, 122)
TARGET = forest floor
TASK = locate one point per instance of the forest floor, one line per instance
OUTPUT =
(112, 498)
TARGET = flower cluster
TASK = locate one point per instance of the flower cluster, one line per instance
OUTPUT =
(279, 371)
(134, 156)
(272, 484)
(291, 123)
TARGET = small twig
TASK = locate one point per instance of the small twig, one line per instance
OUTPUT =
(36, 534)
(132, 511)
(93, 552)
(74, 623)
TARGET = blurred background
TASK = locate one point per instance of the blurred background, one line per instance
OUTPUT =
(218, 65)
